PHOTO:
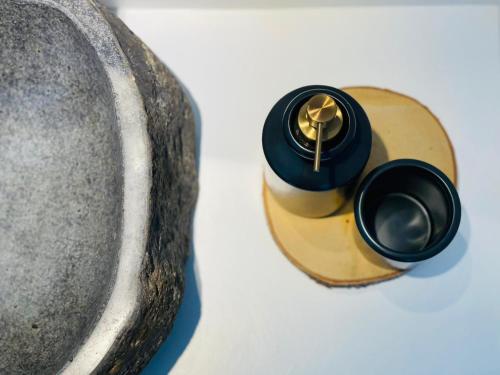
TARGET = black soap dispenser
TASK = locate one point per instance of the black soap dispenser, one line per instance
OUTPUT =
(316, 141)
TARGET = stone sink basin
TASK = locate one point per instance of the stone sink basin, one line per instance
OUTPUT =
(97, 188)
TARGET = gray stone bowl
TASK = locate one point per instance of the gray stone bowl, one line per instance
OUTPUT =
(97, 189)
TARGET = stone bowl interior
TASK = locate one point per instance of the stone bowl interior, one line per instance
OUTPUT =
(61, 188)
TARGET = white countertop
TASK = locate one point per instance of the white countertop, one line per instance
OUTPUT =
(247, 309)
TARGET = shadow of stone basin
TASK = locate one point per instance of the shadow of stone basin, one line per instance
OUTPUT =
(97, 187)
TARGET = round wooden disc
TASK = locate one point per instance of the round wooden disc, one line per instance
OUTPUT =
(331, 249)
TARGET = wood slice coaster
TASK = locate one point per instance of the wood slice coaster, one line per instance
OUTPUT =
(330, 249)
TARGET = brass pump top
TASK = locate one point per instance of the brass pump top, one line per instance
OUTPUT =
(321, 108)
(320, 119)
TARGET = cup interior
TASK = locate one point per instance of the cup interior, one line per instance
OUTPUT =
(407, 208)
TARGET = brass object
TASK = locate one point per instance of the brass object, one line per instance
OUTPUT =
(321, 108)
(317, 153)
(332, 127)
(320, 119)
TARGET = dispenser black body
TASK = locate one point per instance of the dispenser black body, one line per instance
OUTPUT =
(290, 155)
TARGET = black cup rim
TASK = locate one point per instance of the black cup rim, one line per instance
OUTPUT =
(429, 252)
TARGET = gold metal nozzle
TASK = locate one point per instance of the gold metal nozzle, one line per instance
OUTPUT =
(320, 119)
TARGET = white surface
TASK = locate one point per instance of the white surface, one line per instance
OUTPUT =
(240, 4)
(258, 313)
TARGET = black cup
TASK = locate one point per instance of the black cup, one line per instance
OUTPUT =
(407, 211)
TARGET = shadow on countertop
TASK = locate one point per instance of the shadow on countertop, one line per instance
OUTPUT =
(439, 282)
